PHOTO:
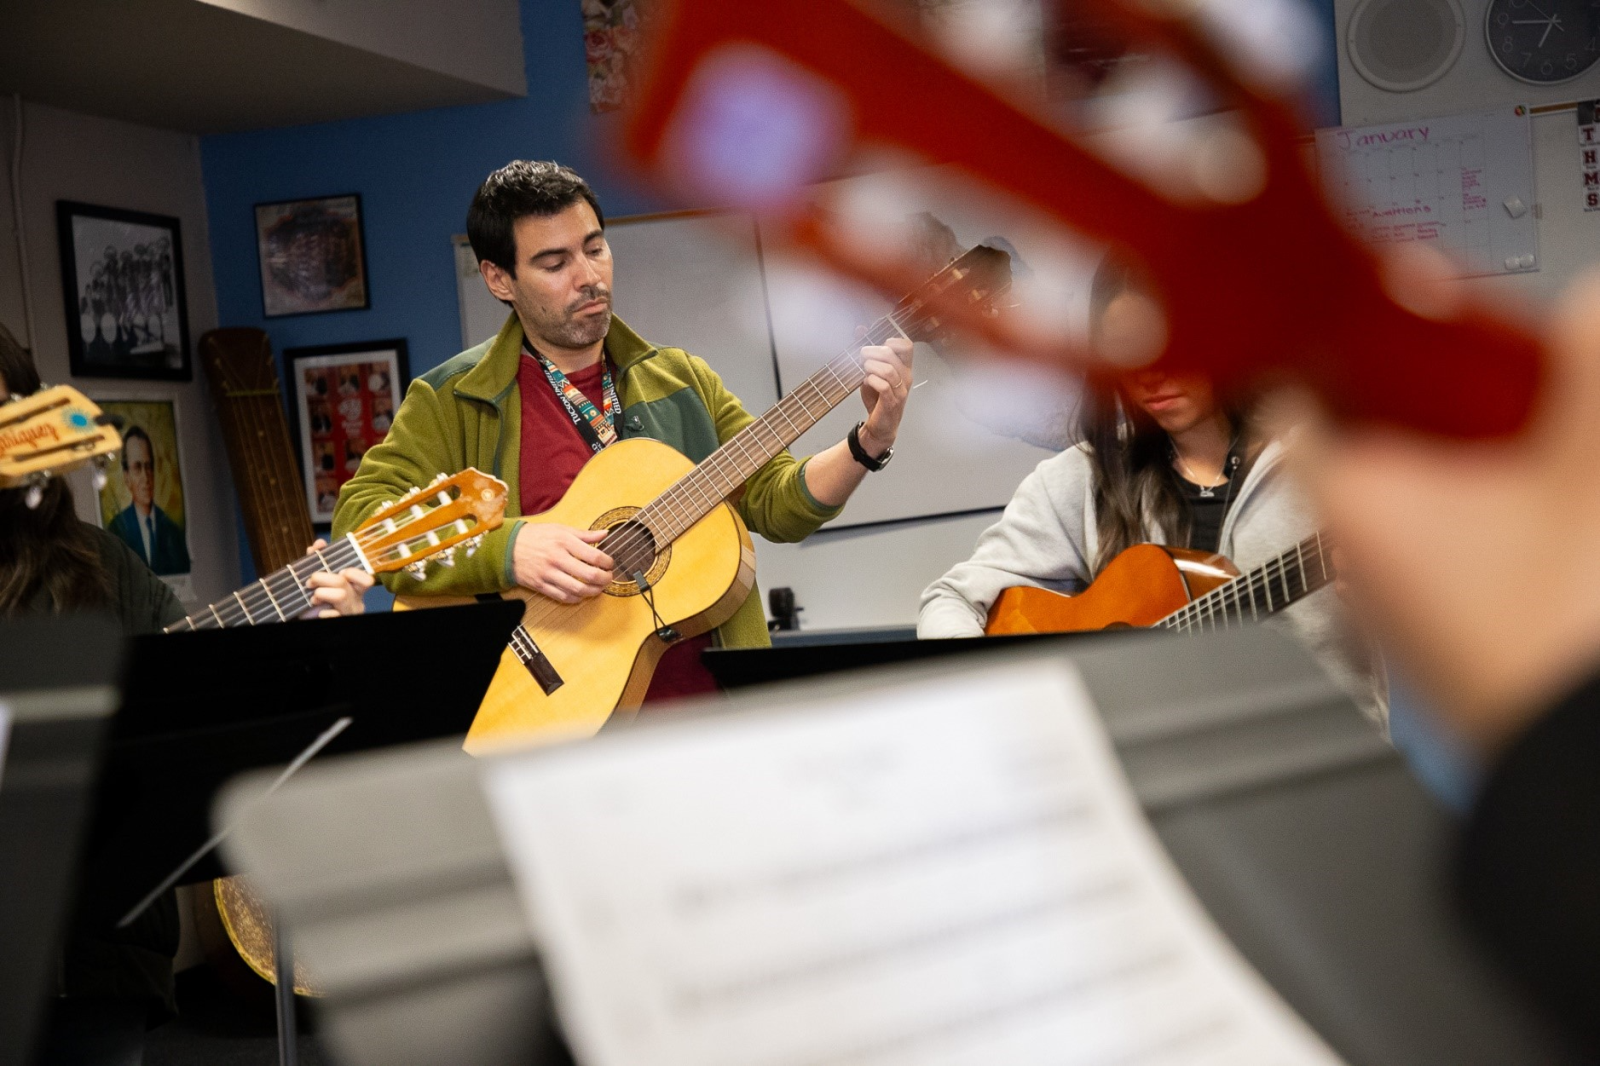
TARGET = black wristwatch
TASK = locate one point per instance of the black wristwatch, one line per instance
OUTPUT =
(860, 454)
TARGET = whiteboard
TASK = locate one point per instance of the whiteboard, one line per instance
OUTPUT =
(1462, 183)
(976, 423)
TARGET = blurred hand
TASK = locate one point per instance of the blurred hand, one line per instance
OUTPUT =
(333, 594)
(561, 562)
(1478, 564)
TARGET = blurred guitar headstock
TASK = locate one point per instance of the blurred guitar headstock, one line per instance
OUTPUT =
(750, 104)
(52, 432)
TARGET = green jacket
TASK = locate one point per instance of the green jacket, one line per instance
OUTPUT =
(466, 412)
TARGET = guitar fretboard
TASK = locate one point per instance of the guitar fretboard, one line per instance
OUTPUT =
(1267, 589)
(724, 470)
(279, 596)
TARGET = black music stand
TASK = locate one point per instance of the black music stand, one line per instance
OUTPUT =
(738, 668)
(57, 687)
(201, 707)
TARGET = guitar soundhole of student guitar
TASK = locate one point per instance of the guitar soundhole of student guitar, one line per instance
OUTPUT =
(632, 548)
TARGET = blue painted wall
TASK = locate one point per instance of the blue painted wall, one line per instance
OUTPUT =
(416, 174)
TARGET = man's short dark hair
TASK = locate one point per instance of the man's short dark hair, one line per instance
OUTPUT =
(137, 433)
(522, 187)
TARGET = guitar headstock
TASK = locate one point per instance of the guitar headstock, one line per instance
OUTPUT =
(969, 285)
(452, 512)
(49, 433)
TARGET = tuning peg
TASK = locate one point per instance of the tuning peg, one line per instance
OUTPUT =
(99, 474)
(34, 495)
(438, 478)
(447, 558)
(418, 569)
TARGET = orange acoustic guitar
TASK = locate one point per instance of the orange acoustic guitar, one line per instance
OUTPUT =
(1154, 586)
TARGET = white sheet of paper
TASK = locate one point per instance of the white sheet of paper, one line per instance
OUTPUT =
(937, 873)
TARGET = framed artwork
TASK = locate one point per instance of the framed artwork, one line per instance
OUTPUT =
(344, 400)
(122, 283)
(613, 31)
(143, 501)
(313, 257)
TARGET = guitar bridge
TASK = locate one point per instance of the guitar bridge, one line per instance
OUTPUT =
(528, 653)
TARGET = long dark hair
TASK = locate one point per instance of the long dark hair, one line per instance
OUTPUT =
(1136, 490)
(43, 549)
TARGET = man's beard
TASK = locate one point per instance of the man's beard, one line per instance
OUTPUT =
(564, 330)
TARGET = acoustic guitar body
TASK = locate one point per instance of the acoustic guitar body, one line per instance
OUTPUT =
(604, 650)
(1140, 587)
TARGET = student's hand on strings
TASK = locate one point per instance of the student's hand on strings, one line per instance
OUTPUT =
(1476, 563)
(884, 391)
(561, 562)
(334, 594)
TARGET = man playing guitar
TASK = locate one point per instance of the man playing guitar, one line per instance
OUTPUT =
(563, 379)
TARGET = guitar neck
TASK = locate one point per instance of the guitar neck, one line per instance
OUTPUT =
(727, 468)
(1264, 591)
(279, 596)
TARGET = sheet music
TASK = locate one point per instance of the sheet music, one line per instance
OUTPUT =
(951, 872)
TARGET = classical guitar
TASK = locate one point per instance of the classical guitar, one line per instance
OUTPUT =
(426, 524)
(248, 396)
(1151, 585)
(49, 433)
(423, 526)
(684, 561)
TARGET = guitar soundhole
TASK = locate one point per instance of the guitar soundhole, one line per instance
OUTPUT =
(632, 548)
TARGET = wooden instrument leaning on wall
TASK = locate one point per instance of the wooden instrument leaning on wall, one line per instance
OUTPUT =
(52, 432)
(684, 561)
(1151, 585)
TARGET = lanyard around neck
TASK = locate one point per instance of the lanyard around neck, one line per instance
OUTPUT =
(597, 427)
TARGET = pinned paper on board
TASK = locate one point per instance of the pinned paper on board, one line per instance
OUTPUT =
(1589, 152)
(1462, 183)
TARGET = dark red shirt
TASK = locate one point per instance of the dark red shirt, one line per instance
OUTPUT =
(553, 451)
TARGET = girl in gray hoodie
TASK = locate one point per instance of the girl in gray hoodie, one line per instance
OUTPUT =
(1162, 461)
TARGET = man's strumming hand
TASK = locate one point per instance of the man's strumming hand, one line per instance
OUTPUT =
(561, 562)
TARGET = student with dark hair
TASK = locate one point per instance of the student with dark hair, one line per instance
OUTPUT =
(112, 981)
(563, 379)
(1161, 460)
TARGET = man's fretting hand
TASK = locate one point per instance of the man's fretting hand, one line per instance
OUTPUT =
(561, 562)
(884, 391)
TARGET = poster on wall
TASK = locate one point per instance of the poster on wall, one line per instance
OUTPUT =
(1589, 152)
(122, 282)
(313, 257)
(612, 37)
(143, 501)
(345, 397)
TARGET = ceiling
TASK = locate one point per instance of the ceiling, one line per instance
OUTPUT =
(194, 67)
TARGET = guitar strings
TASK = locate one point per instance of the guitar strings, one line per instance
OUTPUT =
(1195, 615)
(244, 604)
